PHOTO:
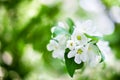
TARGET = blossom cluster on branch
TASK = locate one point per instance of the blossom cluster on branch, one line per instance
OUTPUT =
(78, 44)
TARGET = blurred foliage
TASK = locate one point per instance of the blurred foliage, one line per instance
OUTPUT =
(35, 31)
(21, 24)
(114, 40)
(110, 3)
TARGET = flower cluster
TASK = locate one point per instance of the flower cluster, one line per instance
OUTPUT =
(76, 43)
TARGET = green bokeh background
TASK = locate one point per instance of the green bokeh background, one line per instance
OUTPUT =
(27, 23)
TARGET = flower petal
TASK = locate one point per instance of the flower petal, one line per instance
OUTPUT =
(79, 38)
(70, 44)
(49, 47)
(77, 59)
(58, 53)
(71, 54)
(53, 29)
(52, 45)
(61, 39)
(84, 57)
(93, 59)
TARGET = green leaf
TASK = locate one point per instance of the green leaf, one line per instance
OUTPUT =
(59, 30)
(71, 25)
(71, 65)
(110, 3)
(94, 38)
(100, 53)
(102, 57)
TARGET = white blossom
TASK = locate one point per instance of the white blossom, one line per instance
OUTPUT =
(79, 53)
(80, 46)
(93, 55)
(115, 13)
(52, 45)
(60, 25)
(92, 5)
(79, 37)
(71, 44)
(57, 45)
(87, 27)
(98, 15)
(63, 25)
(106, 50)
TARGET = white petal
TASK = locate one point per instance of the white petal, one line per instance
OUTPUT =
(94, 6)
(77, 59)
(103, 45)
(115, 13)
(53, 45)
(87, 25)
(84, 49)
(53, 29)
(49, 47)
(61, 55)
(61, 39)
(61, 24)
(107, 28)
(94, 60)
(58, 53)
(93, 56)
(78, 25)
(84, 57)
(83, 40)
(71, 54)
(54, 54)
(70, 44)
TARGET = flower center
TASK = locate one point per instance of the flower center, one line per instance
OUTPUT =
(71, 44)
(78, 37)
(79, 51)
(56, 47)
(89, 48)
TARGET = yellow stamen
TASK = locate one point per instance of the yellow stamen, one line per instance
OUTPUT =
(78, 37)
(71, 44)
(56, 47)
(79, 51)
